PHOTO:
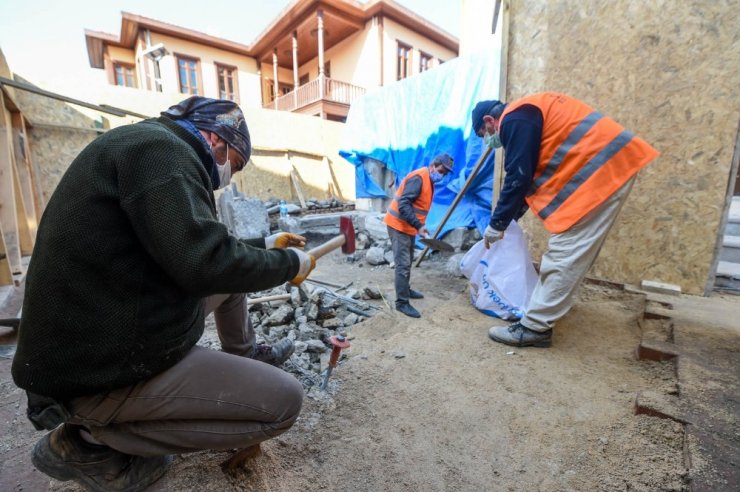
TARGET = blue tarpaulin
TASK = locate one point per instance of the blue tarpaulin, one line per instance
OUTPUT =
(405, 125)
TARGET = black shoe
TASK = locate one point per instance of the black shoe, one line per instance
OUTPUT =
(415, 294)
(408, 310)
(519, 335)
(64, 455)
(274, 354)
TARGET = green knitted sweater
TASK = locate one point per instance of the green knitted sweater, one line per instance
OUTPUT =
(127, 248)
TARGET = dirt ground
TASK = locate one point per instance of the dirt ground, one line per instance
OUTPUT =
(433, 404)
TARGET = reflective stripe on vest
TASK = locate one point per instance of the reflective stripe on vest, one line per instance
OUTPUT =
(420, 206)
(584, 158)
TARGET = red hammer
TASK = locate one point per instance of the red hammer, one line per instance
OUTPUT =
(345, 239)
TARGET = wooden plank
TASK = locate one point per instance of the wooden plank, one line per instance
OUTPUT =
(24, 169)
(6, 276)
(8, 218)
(25, 224)
(296, 180)
(502, 9)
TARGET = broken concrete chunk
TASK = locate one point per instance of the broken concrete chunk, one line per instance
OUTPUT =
(375, 256)
(300, 347)
(331, 323)
(281, 315)
(249, 218)
(313, 312)
(453, 265)
(361, 241)
(372, 292)
(315, 346)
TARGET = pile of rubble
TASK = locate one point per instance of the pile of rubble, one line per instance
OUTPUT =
(309, 315)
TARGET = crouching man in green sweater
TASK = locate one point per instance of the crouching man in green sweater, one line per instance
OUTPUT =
(129, 259)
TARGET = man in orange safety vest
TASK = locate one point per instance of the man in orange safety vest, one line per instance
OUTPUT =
(574, 168)
(405, 218)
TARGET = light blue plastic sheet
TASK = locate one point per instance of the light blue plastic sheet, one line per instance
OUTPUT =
(406, 124)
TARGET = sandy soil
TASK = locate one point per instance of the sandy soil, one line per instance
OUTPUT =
(433, 404)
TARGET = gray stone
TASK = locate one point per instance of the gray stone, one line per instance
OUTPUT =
(315, 346)
(455, 237)
(330, 302)
(332, 323)
(472, 236)
(351, 319)
(317, 295)
(375, 256)
(313, 312)
(300, 347)
(301, 320)
(249, 218)
(361, 241)
(375, 227)
(354, 293)
(306, 331)
(399, 355)
(278, 332)
(453, 265)
(373, 293)
(295, 296)
(281, 315)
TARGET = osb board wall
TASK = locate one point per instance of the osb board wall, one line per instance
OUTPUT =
(669, 72)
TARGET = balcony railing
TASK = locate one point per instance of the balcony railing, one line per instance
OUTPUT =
(314, 91)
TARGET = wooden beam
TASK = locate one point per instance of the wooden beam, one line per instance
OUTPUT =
(296, 180)
(25, 181)
(8, 218)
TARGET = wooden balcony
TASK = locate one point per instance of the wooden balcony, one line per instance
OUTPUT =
(330, 99)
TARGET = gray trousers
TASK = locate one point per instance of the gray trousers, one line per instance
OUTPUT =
(208, 400)
(568, 258)
(403, 253)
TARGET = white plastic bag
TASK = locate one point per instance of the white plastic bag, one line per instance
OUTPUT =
(502, 278)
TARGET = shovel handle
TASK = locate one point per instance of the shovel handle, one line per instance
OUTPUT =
(330, 245)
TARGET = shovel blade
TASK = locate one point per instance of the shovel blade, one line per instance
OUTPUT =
(437, 244)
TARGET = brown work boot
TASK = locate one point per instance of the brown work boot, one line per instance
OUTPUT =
(64, 455)
(273, 354)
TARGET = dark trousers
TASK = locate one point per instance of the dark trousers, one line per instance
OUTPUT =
(208, 400)
(403, 253)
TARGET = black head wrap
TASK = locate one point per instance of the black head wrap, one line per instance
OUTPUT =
(220, 116)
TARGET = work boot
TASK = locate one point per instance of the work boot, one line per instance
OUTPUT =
(415, 294)
(64, 455)
(519, 335)
(408, 310)
(273, 354)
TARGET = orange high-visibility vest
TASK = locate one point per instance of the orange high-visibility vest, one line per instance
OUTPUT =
(421, 205)
(584, 158)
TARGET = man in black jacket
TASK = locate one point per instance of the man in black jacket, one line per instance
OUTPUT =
(129, 259)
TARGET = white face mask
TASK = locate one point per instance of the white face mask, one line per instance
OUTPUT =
(224, 170)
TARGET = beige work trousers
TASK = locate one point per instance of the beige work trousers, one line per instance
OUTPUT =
(568, 258)
(208, 400)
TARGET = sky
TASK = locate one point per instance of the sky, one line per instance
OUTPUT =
(44, 40)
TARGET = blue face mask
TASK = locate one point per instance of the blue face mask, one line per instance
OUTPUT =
(435, 176)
